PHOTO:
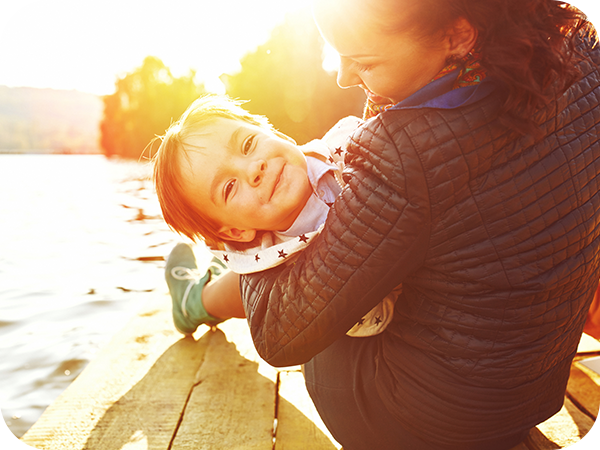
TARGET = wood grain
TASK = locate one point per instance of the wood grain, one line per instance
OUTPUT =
(299, 426)
(231, 407)
(584, 388)
(152, 389)
(565, 428)
(131, 395)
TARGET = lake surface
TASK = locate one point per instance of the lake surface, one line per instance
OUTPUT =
(81, 247)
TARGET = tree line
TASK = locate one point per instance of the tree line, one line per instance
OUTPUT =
(283, 79)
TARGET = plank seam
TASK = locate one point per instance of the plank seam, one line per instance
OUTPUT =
(580, 407)
(180, 420)
(276, 411)
(185, 405)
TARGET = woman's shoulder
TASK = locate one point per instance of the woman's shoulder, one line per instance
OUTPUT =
(428, 126)
(587, 39)
(587, 45)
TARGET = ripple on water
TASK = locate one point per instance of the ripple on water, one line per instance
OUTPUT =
(6, 324)
(72, 266)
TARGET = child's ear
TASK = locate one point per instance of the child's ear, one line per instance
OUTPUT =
(235, 234)
(461, 37)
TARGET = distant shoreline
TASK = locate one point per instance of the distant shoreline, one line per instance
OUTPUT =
(49, 151)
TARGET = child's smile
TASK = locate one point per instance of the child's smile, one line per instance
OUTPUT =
(245, 178)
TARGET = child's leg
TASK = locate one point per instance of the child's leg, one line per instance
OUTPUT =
(222, 298)
(186, 286)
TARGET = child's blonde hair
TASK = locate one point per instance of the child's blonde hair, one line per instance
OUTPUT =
(177, 211)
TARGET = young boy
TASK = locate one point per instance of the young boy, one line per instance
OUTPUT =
(256, 198)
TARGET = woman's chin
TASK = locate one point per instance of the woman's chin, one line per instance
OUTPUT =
(377, 99)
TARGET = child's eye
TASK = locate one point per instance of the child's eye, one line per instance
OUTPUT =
(248, 145)
(228, 189)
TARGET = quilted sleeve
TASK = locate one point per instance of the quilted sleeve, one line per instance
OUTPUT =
(376, 233)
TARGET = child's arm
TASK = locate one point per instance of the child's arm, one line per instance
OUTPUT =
(222, 298)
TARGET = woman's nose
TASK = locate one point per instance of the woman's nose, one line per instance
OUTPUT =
(256, 171)
(346, 76)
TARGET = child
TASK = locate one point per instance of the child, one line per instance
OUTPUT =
(255, 197)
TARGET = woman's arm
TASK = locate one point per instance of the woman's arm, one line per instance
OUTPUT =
(376, 233)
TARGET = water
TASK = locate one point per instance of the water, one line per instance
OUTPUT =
(81, 247)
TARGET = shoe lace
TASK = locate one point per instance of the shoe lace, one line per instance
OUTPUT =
(185, 273)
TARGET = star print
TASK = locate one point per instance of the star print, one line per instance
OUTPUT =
(282, 254)
(256, 257)
(361, 321)
(303, 238)
(330, 159)
(225, 258)
(338, 151)
(378, 320)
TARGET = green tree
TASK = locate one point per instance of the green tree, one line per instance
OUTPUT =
(146, 101)
(284, 80)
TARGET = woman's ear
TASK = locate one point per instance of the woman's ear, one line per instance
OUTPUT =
(462, 37)
(235, 234)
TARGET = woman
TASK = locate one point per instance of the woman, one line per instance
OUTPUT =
(478, 191)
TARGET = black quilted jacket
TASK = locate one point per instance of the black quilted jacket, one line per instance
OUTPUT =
(496, 239)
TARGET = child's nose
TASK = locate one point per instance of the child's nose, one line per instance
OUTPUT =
(256, 171)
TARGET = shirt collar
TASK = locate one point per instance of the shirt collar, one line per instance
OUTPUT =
(315, 211)
(315, 170)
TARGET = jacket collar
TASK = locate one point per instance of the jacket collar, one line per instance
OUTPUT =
(440, 94)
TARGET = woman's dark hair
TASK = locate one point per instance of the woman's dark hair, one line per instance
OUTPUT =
(528, 45)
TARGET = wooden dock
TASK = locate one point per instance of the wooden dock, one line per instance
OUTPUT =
(152, 389)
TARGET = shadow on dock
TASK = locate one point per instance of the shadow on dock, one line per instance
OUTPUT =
(204, 395)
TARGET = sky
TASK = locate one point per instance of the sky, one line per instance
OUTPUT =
(86, 44)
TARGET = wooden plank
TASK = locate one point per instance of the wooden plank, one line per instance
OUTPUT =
(238, 333)
(231, 407)
(565, 428)
(584, 388)
(131, 395)
(150, 389)
(588, 344)
(299, 426)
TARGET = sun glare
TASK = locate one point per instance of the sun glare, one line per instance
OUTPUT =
(72, 44)
(331, 59)
(84, 45)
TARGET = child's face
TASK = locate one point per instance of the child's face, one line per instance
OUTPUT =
(388, 66)
(245, 178)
